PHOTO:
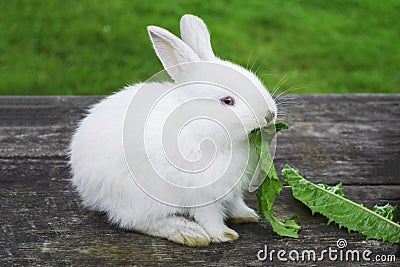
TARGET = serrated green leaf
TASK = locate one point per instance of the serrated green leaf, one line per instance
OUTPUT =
(267, 193)
(271, 185)
(338, 209)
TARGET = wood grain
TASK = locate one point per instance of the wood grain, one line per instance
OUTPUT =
(350, 138)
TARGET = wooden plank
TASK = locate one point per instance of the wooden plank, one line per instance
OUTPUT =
(16, 111)
(44, 223)
(357, 108)
(42, 111)
(16, 169)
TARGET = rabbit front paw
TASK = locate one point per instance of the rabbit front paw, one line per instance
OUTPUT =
(181, 231)
(190, 234)
(212, 220)
(224, 235)
(245, 216)
(239, 212)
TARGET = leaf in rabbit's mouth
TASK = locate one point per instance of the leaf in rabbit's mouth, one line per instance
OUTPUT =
(271, 186)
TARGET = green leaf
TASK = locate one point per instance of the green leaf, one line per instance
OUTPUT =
(338, 209)
(293, 222)
(269, 189)
(288, 228)
(280, 126)
(268, 133)
(271, 186)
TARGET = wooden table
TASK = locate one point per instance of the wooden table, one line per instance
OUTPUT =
(350, 138)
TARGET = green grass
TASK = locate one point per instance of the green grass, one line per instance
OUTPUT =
(85, 47)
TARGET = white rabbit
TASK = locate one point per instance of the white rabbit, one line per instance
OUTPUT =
(100, 153)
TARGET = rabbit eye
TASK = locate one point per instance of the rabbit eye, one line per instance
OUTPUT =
(228, 100)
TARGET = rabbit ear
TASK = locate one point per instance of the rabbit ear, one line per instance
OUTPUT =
(195, 34)
(171, 51)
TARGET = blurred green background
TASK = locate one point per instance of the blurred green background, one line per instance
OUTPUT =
(86, 47)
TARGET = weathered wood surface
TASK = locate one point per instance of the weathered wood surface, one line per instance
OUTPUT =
(350, 138)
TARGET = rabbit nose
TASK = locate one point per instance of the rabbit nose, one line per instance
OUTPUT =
(270, 116)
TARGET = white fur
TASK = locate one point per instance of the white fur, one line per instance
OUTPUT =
(102, 178)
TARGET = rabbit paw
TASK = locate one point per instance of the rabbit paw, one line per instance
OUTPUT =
(226, 235)
(190, 234)
(245, 216)
(193, 235)
(181, 231)
(239, 212)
